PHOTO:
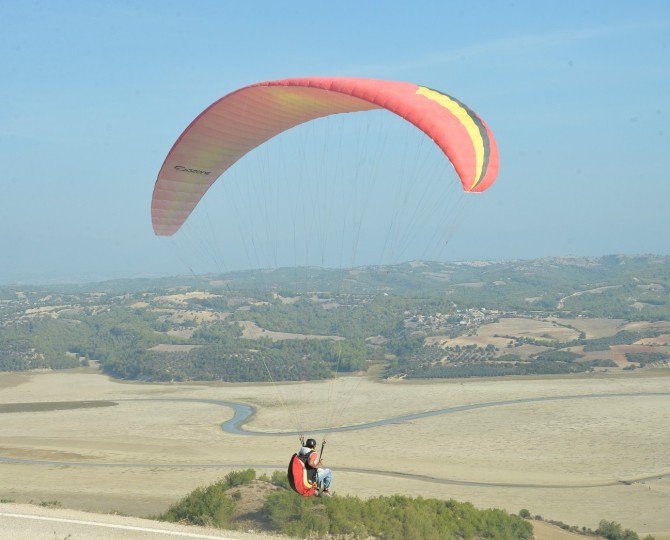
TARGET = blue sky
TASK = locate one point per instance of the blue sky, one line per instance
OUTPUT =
(93, 95)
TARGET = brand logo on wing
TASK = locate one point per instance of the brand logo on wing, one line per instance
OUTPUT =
(186, 169)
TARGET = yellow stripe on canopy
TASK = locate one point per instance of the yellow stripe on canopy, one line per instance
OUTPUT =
(464, 117)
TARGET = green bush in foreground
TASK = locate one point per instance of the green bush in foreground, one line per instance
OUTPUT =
(395, 517)
(210, 506)
(280, 479)
(239, 478)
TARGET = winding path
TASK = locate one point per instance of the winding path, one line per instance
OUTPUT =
(242, 413)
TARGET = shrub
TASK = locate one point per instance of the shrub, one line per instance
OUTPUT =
(51, 504)
(209, 506)
(294, 515)
(280, 479)
(644, 358)
(239, 478)
(394, 517)
(614, 531)
(593, 347)
(600, 362)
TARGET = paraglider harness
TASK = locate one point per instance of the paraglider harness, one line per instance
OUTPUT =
(301, 475)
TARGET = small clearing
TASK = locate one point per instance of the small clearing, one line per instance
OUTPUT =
(646, 326)
(180, 317)
(520, 327)
(547, 531)
(593, 328)
(597, 290)
(471, 285)
(663, 339)
(168, 348)
(51, 311)
(184, 333)
(185, 297)
(285, 299)
(250, 330)
(326, 303)
(440, 276)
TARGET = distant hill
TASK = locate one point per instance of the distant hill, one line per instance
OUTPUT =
(418, 319)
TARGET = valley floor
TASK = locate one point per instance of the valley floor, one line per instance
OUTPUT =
(575, 460)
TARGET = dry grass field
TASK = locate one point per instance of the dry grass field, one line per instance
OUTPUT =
(593, 327)
(503, 333)
(500, 333)
(185, 297)
(663, 339)
(562, 459)
(178, 316)
(523, 327)
(640, 326)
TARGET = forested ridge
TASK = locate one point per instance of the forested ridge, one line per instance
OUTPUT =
(299, 324)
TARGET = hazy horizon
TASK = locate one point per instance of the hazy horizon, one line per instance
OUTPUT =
(215, 273)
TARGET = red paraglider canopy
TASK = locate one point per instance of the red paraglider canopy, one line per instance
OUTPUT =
(246, 118)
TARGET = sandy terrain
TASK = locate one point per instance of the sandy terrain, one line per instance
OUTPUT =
(157, 451)
(250, 330)
(30, 522)
(547, 531)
